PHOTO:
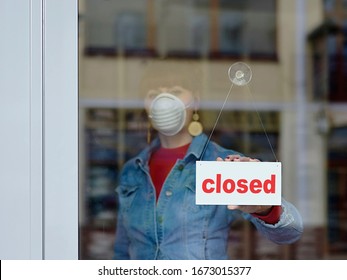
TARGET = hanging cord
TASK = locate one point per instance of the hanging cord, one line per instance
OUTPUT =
(220, 112)
(215, 124)
(261, 122)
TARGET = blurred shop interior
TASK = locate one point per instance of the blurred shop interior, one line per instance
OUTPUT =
(297, 51)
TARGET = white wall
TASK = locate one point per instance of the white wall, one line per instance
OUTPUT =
(38, 120)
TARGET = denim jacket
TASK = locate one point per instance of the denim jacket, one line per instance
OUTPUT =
(175, 227)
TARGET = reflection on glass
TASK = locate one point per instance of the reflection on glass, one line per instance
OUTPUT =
(120, 38)
(180, 28)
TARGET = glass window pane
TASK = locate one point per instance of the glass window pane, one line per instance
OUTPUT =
(115, 26)
(248, 27)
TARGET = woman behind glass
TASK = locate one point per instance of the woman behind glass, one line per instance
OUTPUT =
(158, 217)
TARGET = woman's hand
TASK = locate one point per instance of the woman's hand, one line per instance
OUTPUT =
(262, 210)
(237, 158)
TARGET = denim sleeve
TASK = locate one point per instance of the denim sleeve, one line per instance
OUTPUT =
(286, 231)
(121, 244)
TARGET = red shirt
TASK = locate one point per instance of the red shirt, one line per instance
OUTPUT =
(161, 162)
(272, 217)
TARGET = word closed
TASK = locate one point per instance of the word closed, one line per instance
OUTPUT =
(238, 183)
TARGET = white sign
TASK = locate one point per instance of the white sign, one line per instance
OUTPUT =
(238, 183)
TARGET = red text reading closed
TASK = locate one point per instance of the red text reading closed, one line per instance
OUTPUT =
(241, 186)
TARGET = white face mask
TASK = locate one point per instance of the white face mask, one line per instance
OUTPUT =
(168, 114)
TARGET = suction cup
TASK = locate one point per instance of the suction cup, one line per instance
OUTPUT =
(240, 74)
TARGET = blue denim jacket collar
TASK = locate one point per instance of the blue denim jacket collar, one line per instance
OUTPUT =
(196, 149)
